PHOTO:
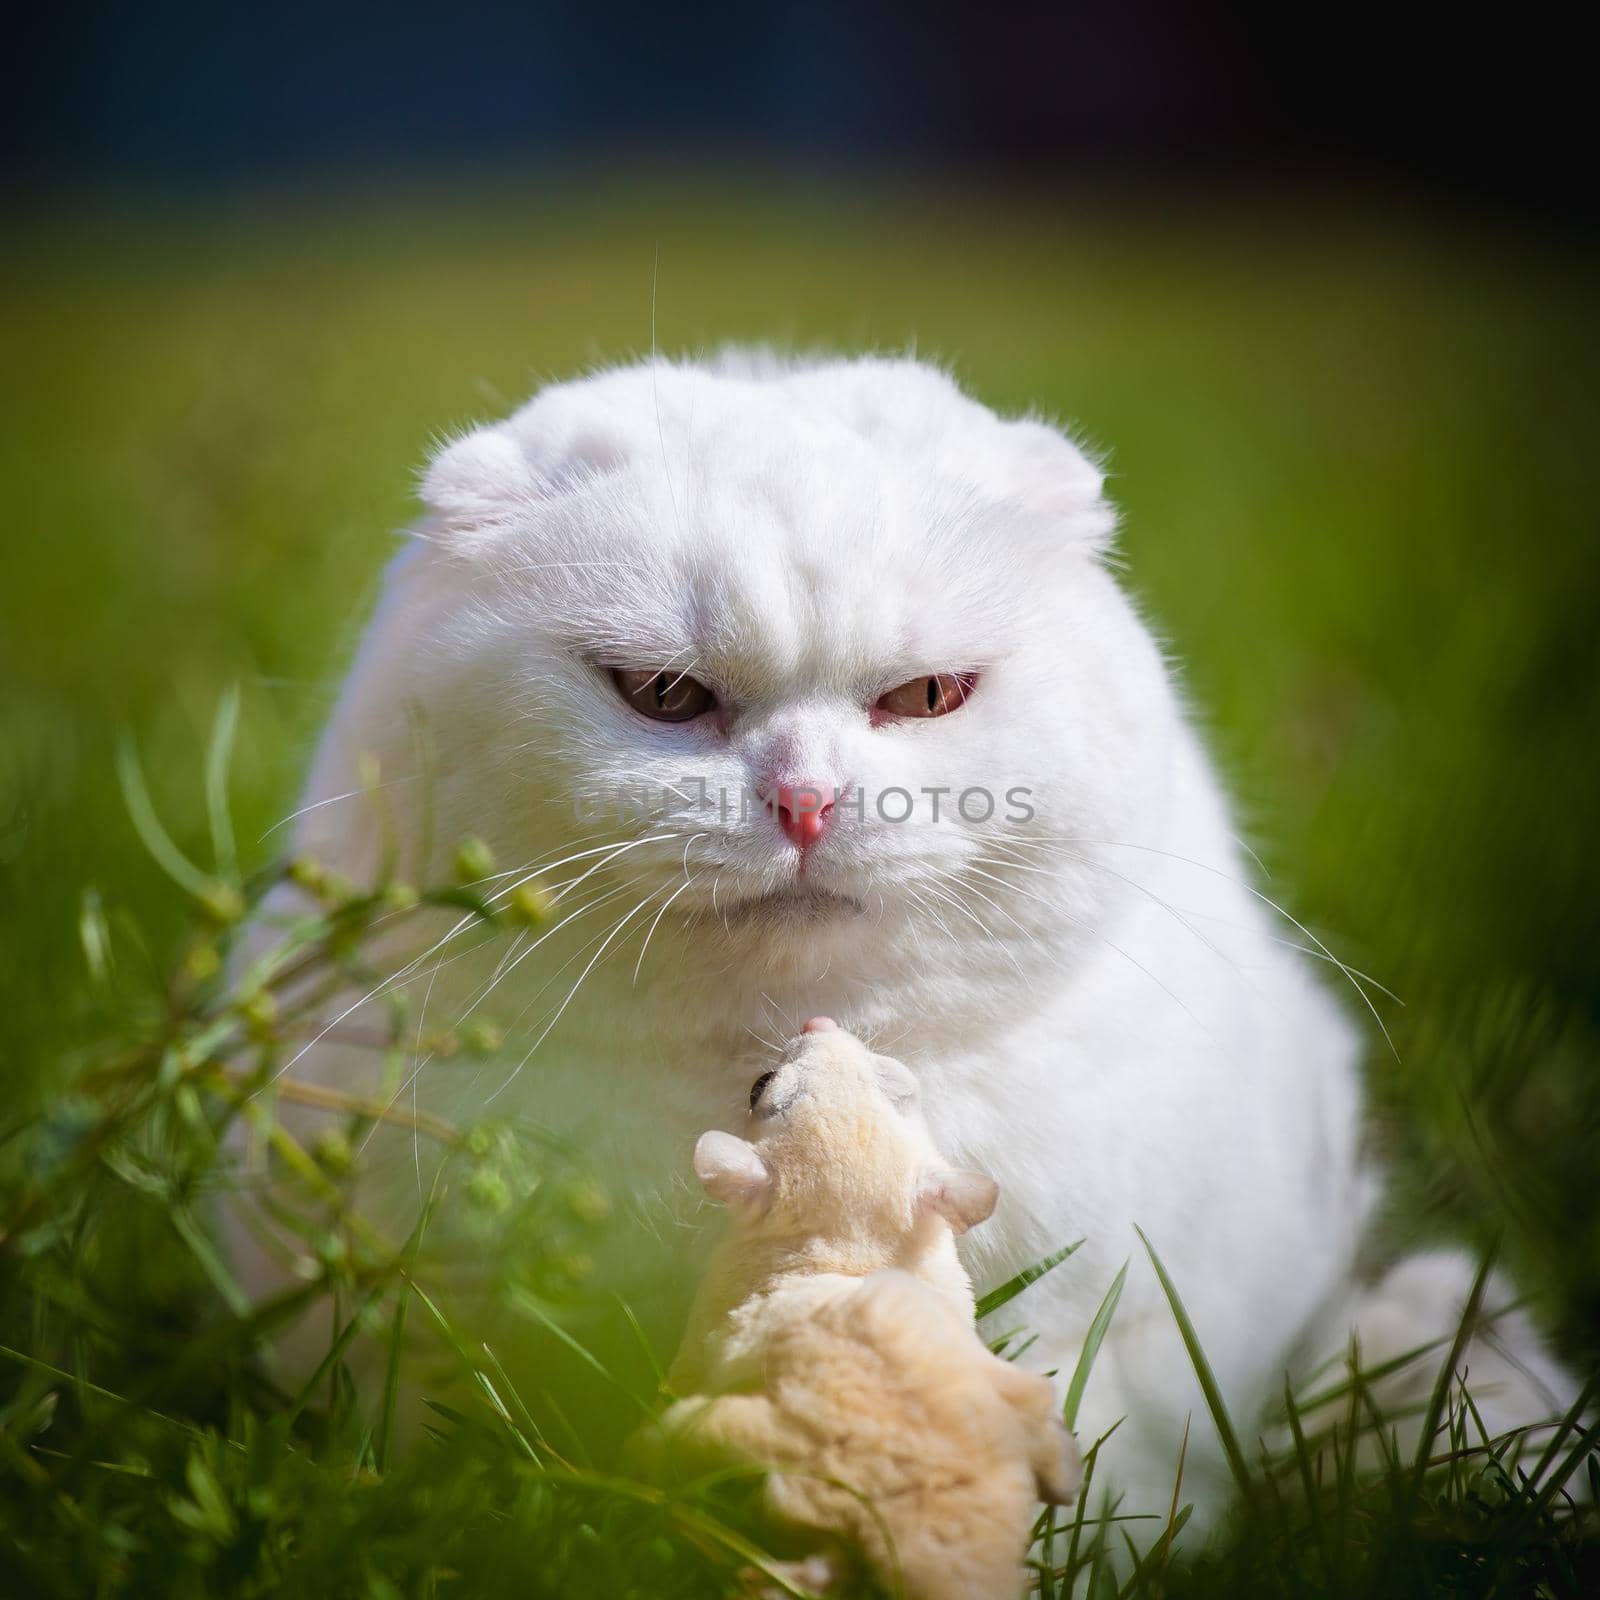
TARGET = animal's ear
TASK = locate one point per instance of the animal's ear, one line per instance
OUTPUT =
(477, 480)
(1055, 478)
(730, 1170)
(962, 1198)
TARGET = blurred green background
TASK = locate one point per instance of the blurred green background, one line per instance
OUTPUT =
(1354, 450)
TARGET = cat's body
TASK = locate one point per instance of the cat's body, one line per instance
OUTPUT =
(1099, 1008)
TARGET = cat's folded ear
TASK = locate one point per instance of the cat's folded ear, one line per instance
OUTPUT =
(1056, 480)
(478, 481)
(730, 1170)
(962, 1198)
(481, 482)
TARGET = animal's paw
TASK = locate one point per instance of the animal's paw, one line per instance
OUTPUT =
(1060, 1470)
(815, 1575)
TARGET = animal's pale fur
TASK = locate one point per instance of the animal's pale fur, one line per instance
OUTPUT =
(1096, 1003)
(833, 1341)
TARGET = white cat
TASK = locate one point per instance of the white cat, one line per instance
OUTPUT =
(706, 578)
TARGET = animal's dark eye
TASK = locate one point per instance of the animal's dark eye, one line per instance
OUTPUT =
(932, 696)
(662, 695)
(759, 1088)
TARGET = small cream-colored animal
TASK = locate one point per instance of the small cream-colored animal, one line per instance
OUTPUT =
(832, 1340)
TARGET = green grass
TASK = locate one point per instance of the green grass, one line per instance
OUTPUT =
(1355, 459)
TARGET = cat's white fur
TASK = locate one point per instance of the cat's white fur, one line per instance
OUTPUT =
(1100, 1009)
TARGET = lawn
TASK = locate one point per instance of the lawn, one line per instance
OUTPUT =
(1353, 451)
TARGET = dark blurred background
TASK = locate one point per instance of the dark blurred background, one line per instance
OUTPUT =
(1456, 105)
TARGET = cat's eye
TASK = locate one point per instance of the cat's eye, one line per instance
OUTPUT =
(759, 1088)
(932, 696)
(661, 695)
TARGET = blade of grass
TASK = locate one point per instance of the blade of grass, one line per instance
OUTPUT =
(644, 1343)
(1553, 1486)
(1447, 1373)
(1175, 1517)
(1568, 1423)
(503, 1412)
(1023, 1348)
(401, 1267)
(1370, 1375)
(183, 1424)
(94, 934)
(526, 1302)
(335, 1353)
(1012, 1287)
(1209, 1386)
(1091, 1348)
(218, 756)
(1090, 1458)
(1302, 1455)
(391, 1380)
(528, 1421)
(142, 813)
(210, 1260)
(397, 1328)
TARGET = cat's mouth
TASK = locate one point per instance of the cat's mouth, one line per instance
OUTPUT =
(792, 903)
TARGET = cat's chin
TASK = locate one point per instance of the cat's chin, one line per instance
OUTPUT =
(793, 905)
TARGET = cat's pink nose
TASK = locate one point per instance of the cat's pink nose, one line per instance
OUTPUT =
(803, 810)
(820, 1025)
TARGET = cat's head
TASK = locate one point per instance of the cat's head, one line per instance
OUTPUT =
(835, 1150)
(770, 589)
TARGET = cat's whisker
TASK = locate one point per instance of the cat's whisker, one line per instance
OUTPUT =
(673, 789)
(399, 976)
(888, 1044)
(689, 880)
(416, 1050)
(1260, 865)
(333, 800)
(949, 899)
(1112, 945)
(526, 873)
(688, 883)
(582, 976)
(687, 672)
(508, 960)
(562, 566)
(581, 855)
(1294, 922)
(604, 898)
(558, 893)
(1058, 845)
(926, 910)
(951, 892)
(780, 1022)
(655, 393)
(1305, 950)
(498, 764)
(1133, 883)
(955, 878)
(762, 1040)
(502, 971)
